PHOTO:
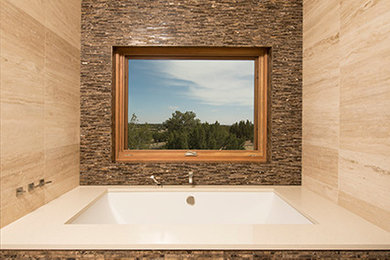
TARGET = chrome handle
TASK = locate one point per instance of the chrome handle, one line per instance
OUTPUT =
(155, 180)
(20, 191)
(32, 186)
(42, 182)
(190, 177)
(190, 153)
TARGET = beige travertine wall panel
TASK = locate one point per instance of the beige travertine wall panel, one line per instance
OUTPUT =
(63, 17)
(366, 210)
(40, 74)
(362, 53)
(62, 97)
(320, 171)
(33, 8)
(365, 182)
(364, 170)
(62, 115)
(22, 87)
(321, 96)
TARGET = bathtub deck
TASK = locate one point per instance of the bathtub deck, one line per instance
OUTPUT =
(334, 228)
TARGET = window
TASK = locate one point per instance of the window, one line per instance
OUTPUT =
(189, 104)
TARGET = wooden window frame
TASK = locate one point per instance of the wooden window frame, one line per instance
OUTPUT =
(120, 112)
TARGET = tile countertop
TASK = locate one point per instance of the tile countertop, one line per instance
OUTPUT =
(334, 228)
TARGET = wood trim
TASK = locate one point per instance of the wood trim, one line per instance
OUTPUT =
(188, 57)
(179, 156)
(190, 51)
(119, 118)
(256, 107)
(121, 55)
(262, 104)
(126, 103)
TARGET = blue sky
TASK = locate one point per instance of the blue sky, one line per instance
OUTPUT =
(216, 90)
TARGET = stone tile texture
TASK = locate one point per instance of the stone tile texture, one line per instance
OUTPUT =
(268, 23)
(195, 254)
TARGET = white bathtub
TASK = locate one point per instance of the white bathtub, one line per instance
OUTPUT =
(223, 217)
(169, 207)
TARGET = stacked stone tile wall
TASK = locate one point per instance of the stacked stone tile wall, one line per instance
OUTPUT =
(195, 254)
(229, 23)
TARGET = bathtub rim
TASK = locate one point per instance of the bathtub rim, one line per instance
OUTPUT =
(320, 236)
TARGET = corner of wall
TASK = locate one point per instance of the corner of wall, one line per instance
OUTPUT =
(40, 102)
(346, 88)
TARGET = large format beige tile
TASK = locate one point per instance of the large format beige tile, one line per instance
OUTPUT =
(22, 87)
(321, 74)
(40, 114)
(364, 14)
(62, 92)
(367, 182)
(322, 164)
(320, 20)
(62, 169)
(63, 17)
(32, 8)
(320, 170)
(13, 207)
(365, 78)
(313, 184)
(321, 77)
(62, 116)
(360, 110)
(22, 57)
(365, 108)
(371, 212)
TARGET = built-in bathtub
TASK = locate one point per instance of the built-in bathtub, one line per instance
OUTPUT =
(184, 217)
(189, 207)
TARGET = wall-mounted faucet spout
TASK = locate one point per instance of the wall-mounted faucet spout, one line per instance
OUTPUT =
(191, 177)
(155, 180)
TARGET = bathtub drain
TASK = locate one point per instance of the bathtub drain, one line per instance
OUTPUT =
(190, 200)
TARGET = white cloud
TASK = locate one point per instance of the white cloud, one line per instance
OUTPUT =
(214, 82)
(174, 108)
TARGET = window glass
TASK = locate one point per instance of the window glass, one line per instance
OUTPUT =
(190, 104)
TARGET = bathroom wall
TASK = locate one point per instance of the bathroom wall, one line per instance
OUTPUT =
(40, 97)
(273, 23)
(346, 104)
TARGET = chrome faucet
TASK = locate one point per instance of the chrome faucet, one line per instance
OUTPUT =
(191, 177)
(19, 191)
(155, 180)
(42, 182)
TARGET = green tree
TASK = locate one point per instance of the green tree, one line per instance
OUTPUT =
(139, 135)
(243, 130)
(185, 131)
(179, 127)
(197, 138)
(181, 121)
(160, 136)
(177, 140)
(234, 143)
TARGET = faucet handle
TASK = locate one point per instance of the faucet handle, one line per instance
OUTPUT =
(191, 177)
(191, 153)
(155, 180)
(32, 186)
(42, 182)
(19, 191)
